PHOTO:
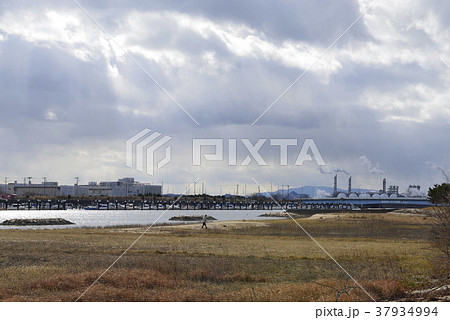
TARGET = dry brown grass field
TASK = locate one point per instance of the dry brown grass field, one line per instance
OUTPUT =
(269, 260)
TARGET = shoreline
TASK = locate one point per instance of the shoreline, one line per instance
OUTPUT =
(259, 220)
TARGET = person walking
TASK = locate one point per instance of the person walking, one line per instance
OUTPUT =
(204, 222)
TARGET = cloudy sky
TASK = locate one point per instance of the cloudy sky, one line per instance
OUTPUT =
(376, 103)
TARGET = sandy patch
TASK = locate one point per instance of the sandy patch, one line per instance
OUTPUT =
(327, 216)
(424, 211)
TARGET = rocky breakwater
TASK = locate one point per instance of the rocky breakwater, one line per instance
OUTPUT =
(36, 222)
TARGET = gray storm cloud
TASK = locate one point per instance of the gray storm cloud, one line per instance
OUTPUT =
(70, 97)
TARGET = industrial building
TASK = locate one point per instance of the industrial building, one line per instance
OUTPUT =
(4, 195)
(390, 192)
(47, 189)
(120, 188)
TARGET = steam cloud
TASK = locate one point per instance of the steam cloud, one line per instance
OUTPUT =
(333, 170)
(373, 169)
(322, 194)
(442, 170)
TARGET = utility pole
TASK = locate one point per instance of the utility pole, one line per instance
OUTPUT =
(29, 179)
(77, 179)
(288, 192)
(237, 190)
(44, 180)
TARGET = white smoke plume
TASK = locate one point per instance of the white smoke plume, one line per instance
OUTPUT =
(414, 192)
(373, 169)
(322, 194)
(442, 170)
(444, 173)
(341, 171)
(333, 171)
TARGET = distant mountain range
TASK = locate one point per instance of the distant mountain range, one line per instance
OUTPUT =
(312, 191)
(301, 192)
(316, 192)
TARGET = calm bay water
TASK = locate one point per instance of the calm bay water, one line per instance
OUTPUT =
(103, 218)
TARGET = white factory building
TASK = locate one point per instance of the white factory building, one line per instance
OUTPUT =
(120, 188)
(48, 189)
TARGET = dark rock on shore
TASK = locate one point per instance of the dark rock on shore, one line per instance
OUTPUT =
(36, 222)
(191, 218)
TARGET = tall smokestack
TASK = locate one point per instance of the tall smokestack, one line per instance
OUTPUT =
(335, 186)
(384, 185)
(349, 185)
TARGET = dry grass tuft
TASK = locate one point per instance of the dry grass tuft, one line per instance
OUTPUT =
(123, 278)
(207, 275)
(5, 293)
(386, 289)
